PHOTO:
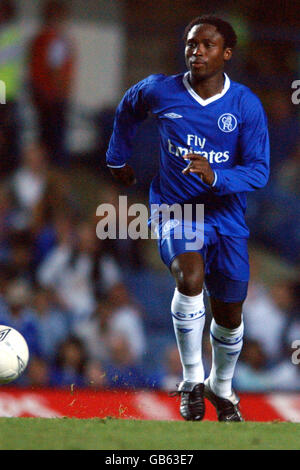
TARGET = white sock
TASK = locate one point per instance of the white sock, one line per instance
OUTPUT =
(188, 314)
(226, 348)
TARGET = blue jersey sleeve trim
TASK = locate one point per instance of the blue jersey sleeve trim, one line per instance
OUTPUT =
(116, 166)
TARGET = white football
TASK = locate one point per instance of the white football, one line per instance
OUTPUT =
(14, 354)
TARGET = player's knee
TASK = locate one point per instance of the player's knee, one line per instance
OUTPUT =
(189, 282)
(230, 323)
(228, 315)
(188, 271)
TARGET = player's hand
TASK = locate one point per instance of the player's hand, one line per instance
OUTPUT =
(200, 166)
(124, 175)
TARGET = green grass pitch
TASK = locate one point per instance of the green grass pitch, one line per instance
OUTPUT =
(118, 434)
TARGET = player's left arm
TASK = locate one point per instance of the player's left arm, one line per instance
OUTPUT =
(254, 148)
(253, 171)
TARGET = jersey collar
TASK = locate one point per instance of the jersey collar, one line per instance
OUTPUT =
(208, 100)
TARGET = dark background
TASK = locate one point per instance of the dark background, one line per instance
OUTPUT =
(121, 335)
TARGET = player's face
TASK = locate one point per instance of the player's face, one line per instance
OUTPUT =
(204, 51)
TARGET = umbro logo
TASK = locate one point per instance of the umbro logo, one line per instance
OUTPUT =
(173, 115)
(184, 330)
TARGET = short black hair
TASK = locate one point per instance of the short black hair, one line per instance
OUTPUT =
(223, 27)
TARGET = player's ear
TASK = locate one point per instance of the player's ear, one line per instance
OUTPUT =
(227, 53)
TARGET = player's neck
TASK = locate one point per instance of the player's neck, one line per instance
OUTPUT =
(207, 87)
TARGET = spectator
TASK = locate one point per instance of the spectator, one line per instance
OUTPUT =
(11, 65)
(172, 370)
(126, 320)
(59, 231)
(269, 307)
(289, 173)
(5, 278)
(283, 125)
(53, 323)
(122, 371)
(94, 331)
(95, 375)
(285, 376)
(51, 70)
(20, 316)
(252, 371)
(7, 221)
(37, 373)
(79, 272)
(69, 364)
(28, 183)
(20, 259)
(129, 253)
(116, 315)
(59, 197)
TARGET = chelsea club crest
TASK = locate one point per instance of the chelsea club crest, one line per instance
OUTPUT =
(227, 122)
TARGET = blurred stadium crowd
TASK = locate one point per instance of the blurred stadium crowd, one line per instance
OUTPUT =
(96, 313)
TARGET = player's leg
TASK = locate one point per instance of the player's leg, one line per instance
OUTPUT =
(227, 294)
(187, 308)
(188, 315)
(226, 335)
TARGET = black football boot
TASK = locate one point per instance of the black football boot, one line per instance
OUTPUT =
(192, 405)
(227, 408)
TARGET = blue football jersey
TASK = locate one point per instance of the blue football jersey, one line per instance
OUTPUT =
(229, 129)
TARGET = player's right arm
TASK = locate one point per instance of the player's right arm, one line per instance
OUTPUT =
(125, 175)
(132, 110)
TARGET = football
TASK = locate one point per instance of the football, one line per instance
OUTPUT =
(14, 354)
